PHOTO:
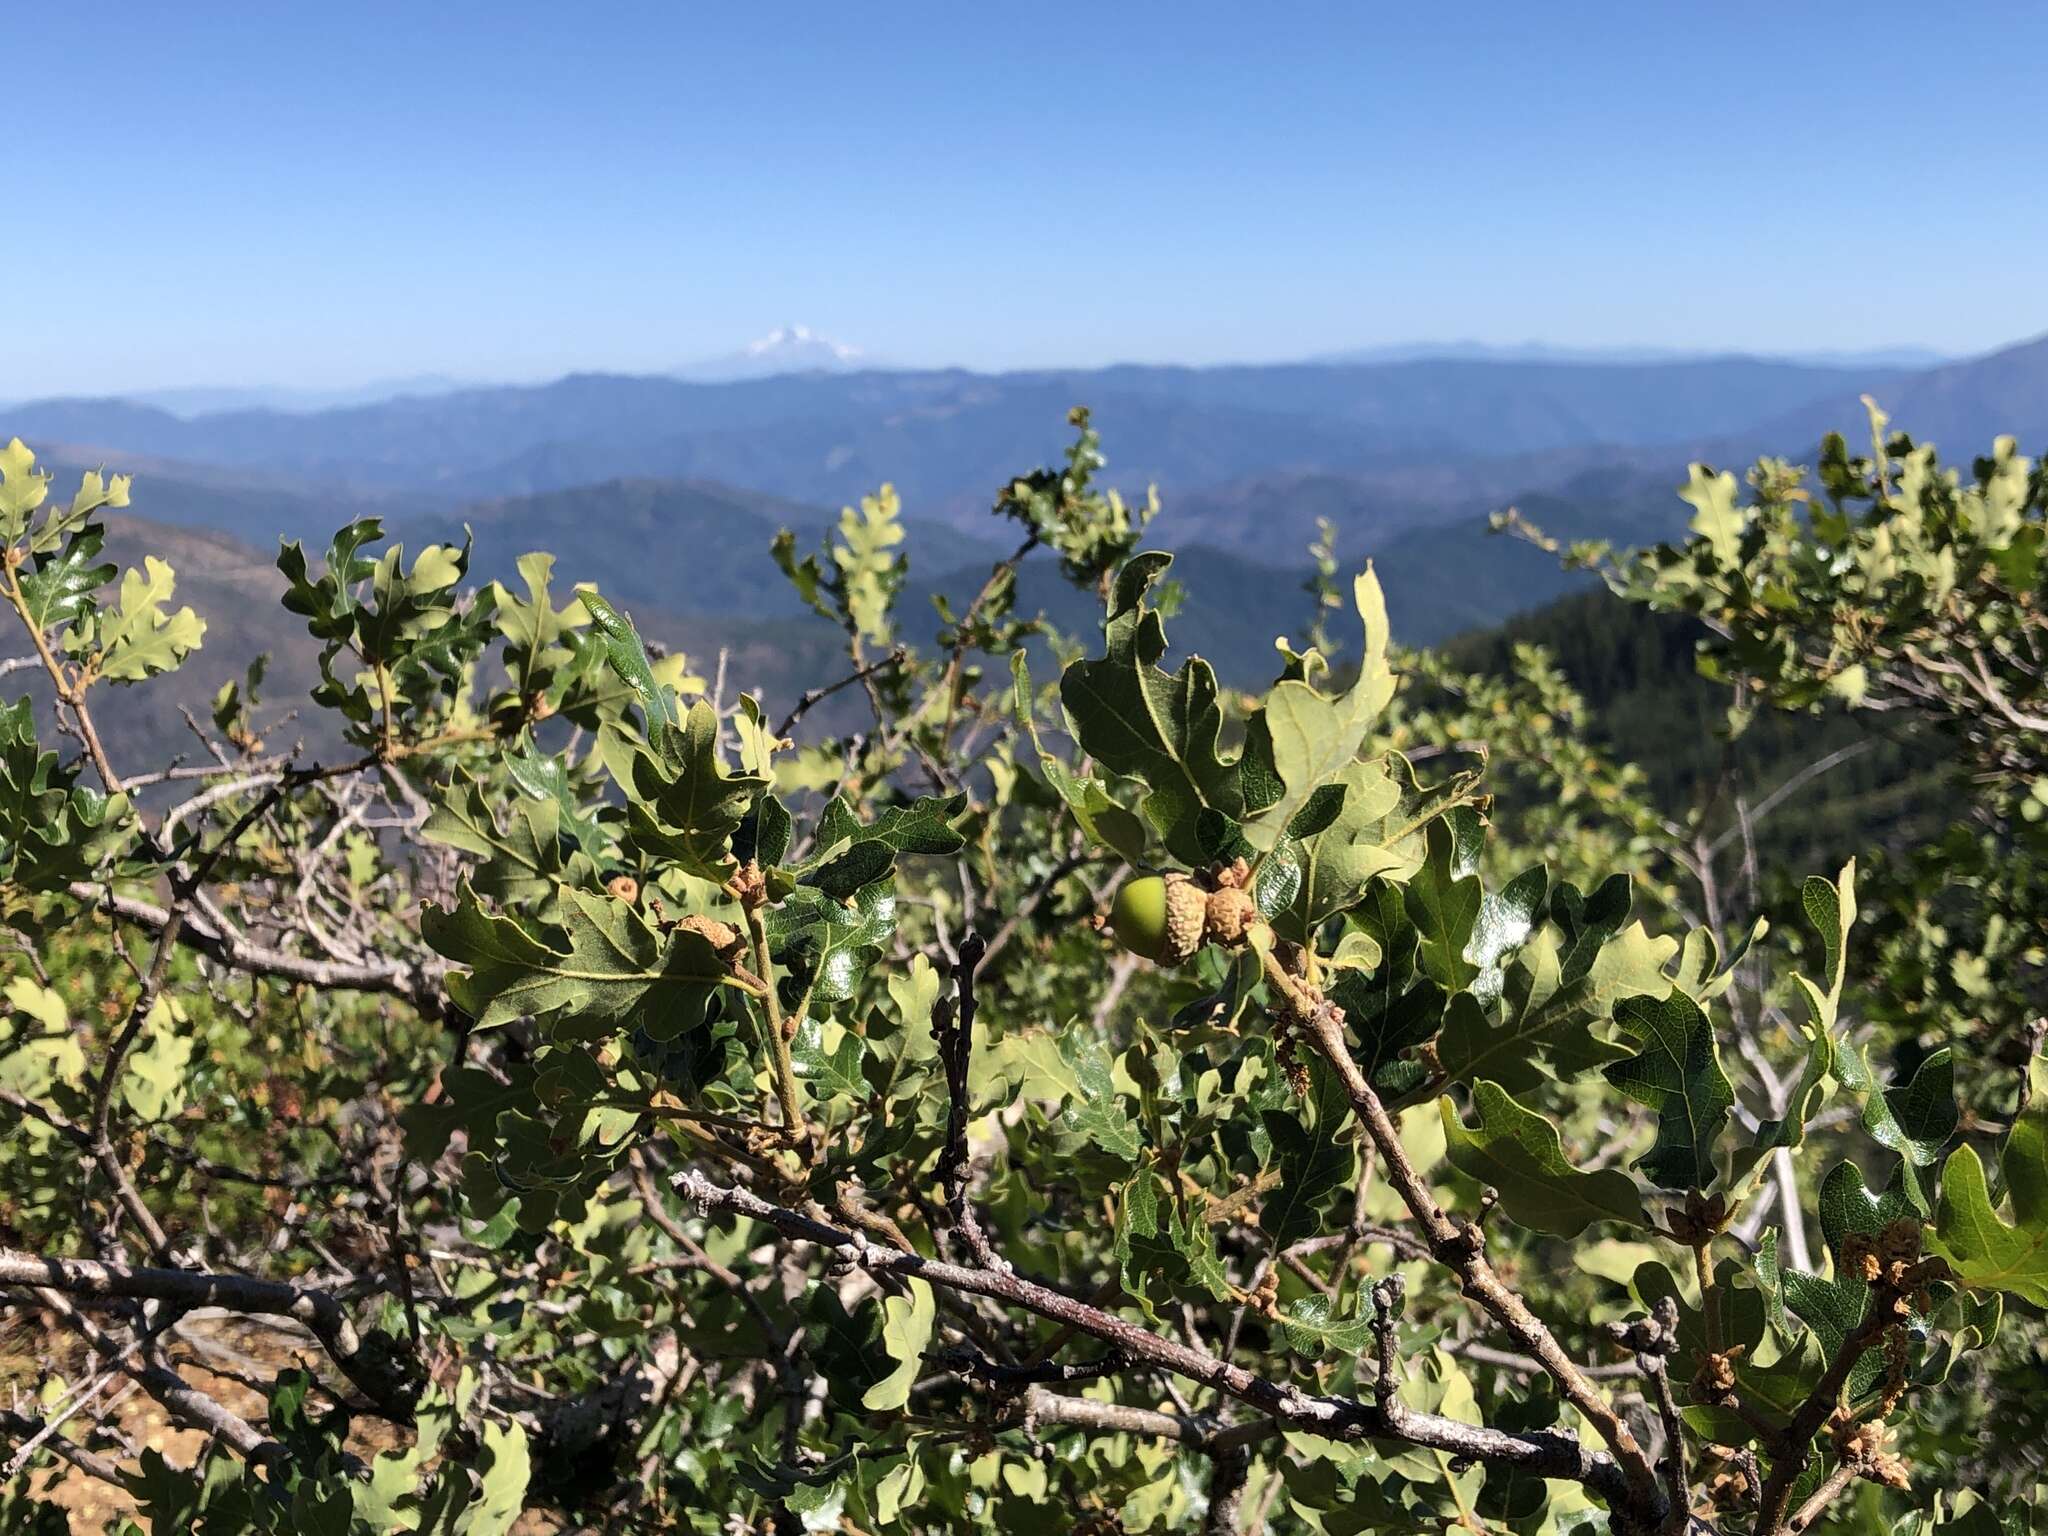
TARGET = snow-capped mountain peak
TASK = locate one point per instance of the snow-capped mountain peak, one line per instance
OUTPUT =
(786, 349)
(801, 340)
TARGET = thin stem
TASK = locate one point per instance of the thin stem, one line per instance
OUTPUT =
(812, 697)
(1830, 1489)
(1710, 1311)
(61, 680)
(787, 1092)
(186, 1288)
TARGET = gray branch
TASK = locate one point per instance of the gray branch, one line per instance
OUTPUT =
(320, 1313)
(1545, 1453)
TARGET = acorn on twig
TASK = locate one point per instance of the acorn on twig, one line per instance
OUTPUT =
(1167, 918)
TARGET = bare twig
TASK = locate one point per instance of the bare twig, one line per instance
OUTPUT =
(257, 960)
(1831, 1488)
(812, 697)
(953, 1029)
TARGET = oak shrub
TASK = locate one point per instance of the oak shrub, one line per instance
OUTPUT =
(662, 1116)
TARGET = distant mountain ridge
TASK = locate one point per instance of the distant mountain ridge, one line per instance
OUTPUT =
(949, 438)
(688, 547)
(1959, 407)
(666, 492)
(1549, 352)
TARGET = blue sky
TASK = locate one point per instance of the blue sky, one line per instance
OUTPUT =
(321, 194)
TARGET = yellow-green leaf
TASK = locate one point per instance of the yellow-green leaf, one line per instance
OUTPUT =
(906, 1330)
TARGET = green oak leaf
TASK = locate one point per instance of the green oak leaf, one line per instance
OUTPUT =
(139, 638)
(1313, 1327)
(1914, 1118)
(1392, 1008)
(545, 776)
(522, 859)
(1377, 831)
(23, 488)
(1832, 1305)
(870, 568)
(1676, 1071)
(685, 806)
(1507, 918)
(1195, 1241)
(532, 624)
(832, 1073)
(502, 1472)
(1518, 1152)
(853, 853)
(1136, 1223)
(1986, 1251)
(1093, 1108)
(1444, 897)
(764, 836)
(1102, 821)
(1557, 987)
(329, 604)
(1141, 723)
(609, 969)
(907, 1322)
(627, 654)
(1831, 907)
(1308, 737)
(1716, 517)
(1314, 1164)
(53, 829)
(57, 589)
(827, 944)
(1962, 1320)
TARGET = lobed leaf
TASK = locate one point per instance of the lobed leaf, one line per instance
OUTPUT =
(610, 969)
(1518, 1152)
(1141, 723)
(1676, 1072)
(1986, 1251)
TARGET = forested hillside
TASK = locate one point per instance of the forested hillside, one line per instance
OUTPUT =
(1882, 785)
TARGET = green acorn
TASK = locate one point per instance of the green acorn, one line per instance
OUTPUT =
(1160, 917)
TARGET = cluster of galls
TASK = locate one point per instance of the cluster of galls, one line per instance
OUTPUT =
(1167, 918)
(1699, 1219)
(1730, 1489)
(1297, 1007)
(1863, 1445)
(1891, 1262)
(1714, 1380)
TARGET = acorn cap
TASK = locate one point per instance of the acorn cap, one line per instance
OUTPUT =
(1187, 914)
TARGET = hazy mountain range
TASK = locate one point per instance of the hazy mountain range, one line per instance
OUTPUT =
(666, 490)
(947, 438)
(1548, 352)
